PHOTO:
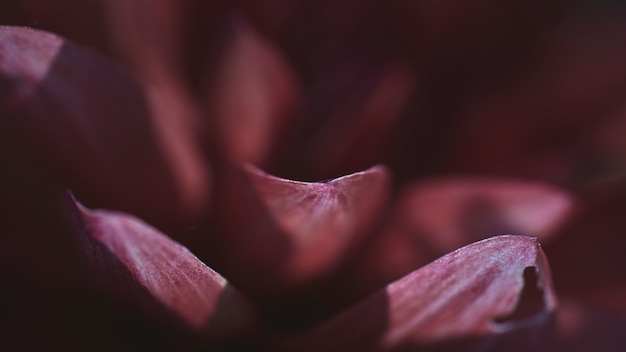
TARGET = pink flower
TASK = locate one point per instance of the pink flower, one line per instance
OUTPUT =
(181, 129)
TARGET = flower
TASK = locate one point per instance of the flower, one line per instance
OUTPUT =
(181, 116)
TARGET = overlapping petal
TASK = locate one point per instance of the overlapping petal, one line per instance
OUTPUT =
(464, 293)
(292, 231)
(511, 90)
(90, 125)
(434, 217)
(542, 124)
(252, 92)
(135, 261)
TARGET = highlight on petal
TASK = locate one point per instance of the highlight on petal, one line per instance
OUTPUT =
(138, 263)
(472, 291)
(90, 124)
(292, 231)
(456, 211)
(252, 92)
(436, 216)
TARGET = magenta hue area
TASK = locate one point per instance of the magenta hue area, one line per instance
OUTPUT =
(300, 175)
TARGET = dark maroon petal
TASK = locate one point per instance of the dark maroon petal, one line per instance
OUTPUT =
(541, 124)
(436, 216)
(465, 293)
(611, 297)
(145, 267)
(251, 93)
(588, 254)
(78, 20)
(85, 121)
(358, 131)
(147, 34)
(292, 232)
(571, 328)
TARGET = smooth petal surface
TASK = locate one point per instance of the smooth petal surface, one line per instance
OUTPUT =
(293, 231)
(436, 216)
(137, 262)
(358, 131)
(541, 124)
(572, 328)
(148, 34)
(251, 93)
(589, 252)
(87, 122)
(461, 294)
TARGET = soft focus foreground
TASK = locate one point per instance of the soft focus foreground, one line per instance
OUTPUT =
(312, 176)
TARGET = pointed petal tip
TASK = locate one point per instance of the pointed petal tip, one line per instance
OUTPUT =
(306, 227)
(146, 269)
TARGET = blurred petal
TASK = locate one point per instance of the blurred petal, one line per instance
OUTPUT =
(360, 129)
(434, 217)
(572, 328)
(148, 34)
(251, 94)
(134, 260)
(465, 293)
(291, 231)
(89, 123)
(540, 124)
(456, 211)
(81, 21)
(610, 297)
(597, 235)
(35, 245)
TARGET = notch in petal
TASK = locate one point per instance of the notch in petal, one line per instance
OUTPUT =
(460, 294)
(141, 265)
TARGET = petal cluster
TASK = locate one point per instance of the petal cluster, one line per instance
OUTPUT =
(312, 176)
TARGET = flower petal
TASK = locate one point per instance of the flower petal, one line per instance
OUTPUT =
(252, 93)
(134, 260)
(292, 232)
(572, 328)
(91, 125)
(456, 211)
(464, 293)
(541, 125)
(147, 34)
(436, 216)
(589, 253)
(359, 130)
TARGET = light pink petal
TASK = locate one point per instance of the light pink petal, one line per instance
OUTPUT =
(470, 292)
(149, 270)
(436, 216)
(292, 232)
(251, 93)
(610, 297)
(87, 122)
